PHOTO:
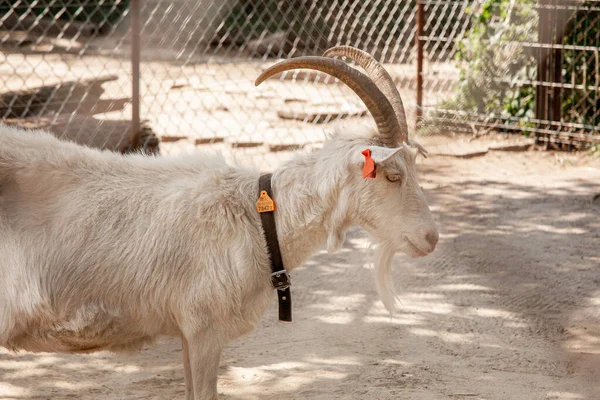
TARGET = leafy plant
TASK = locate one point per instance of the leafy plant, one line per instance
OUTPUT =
(497, 70)
(493, 66)
(97, 11)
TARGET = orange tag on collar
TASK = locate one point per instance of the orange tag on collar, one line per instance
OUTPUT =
(265, 203)
(369, 166)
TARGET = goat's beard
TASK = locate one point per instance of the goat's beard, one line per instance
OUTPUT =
(383, 276)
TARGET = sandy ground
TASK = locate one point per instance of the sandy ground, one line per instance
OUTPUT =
(507, 307)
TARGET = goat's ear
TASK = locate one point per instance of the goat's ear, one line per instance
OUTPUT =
(376, 155)
(381, 154)
(421, 150)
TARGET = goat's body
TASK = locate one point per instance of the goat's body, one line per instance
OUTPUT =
(100, 251)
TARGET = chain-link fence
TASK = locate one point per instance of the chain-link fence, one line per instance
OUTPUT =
(523, 66)
(215, 51)
(90, 70)
(60, 70)
(67, 67)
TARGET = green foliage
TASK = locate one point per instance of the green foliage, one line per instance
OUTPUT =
(249, 19)
(496, 71)
(492, 63)
(98, 11)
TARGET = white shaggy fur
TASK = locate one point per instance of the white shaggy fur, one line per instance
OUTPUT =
(105, 252)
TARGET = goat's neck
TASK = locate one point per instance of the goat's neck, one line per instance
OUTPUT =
(308, 215)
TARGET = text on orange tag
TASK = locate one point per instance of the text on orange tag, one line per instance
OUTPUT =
(369, 166)
(265, 203)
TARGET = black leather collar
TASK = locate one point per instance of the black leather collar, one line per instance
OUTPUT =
(279, 276)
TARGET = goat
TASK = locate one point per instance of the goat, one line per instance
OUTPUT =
(102, 251)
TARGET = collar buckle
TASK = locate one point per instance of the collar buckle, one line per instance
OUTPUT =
(281, 280)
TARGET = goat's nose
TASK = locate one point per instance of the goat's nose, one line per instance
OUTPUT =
(432, 238)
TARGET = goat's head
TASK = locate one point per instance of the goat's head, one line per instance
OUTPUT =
(389, 202)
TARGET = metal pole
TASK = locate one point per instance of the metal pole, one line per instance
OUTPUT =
(135, 73)
(419, 44)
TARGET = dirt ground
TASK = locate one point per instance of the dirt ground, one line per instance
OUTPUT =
(507, 307)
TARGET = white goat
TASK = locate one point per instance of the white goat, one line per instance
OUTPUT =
(102, 251)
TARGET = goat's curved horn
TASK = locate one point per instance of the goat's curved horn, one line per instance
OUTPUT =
(380, 77)
(376, 102)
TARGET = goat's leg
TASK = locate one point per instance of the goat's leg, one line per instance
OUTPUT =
(187, 370)
(204, 355)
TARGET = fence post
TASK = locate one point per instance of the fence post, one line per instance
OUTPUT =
(135, 73)
(548, 98)
(419, 44)
(558, 22)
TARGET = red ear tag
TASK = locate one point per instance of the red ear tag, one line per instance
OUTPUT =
(369, 166)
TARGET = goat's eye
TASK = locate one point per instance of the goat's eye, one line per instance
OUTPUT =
(394, 177)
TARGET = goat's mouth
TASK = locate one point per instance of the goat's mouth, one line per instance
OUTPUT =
(412, 250)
